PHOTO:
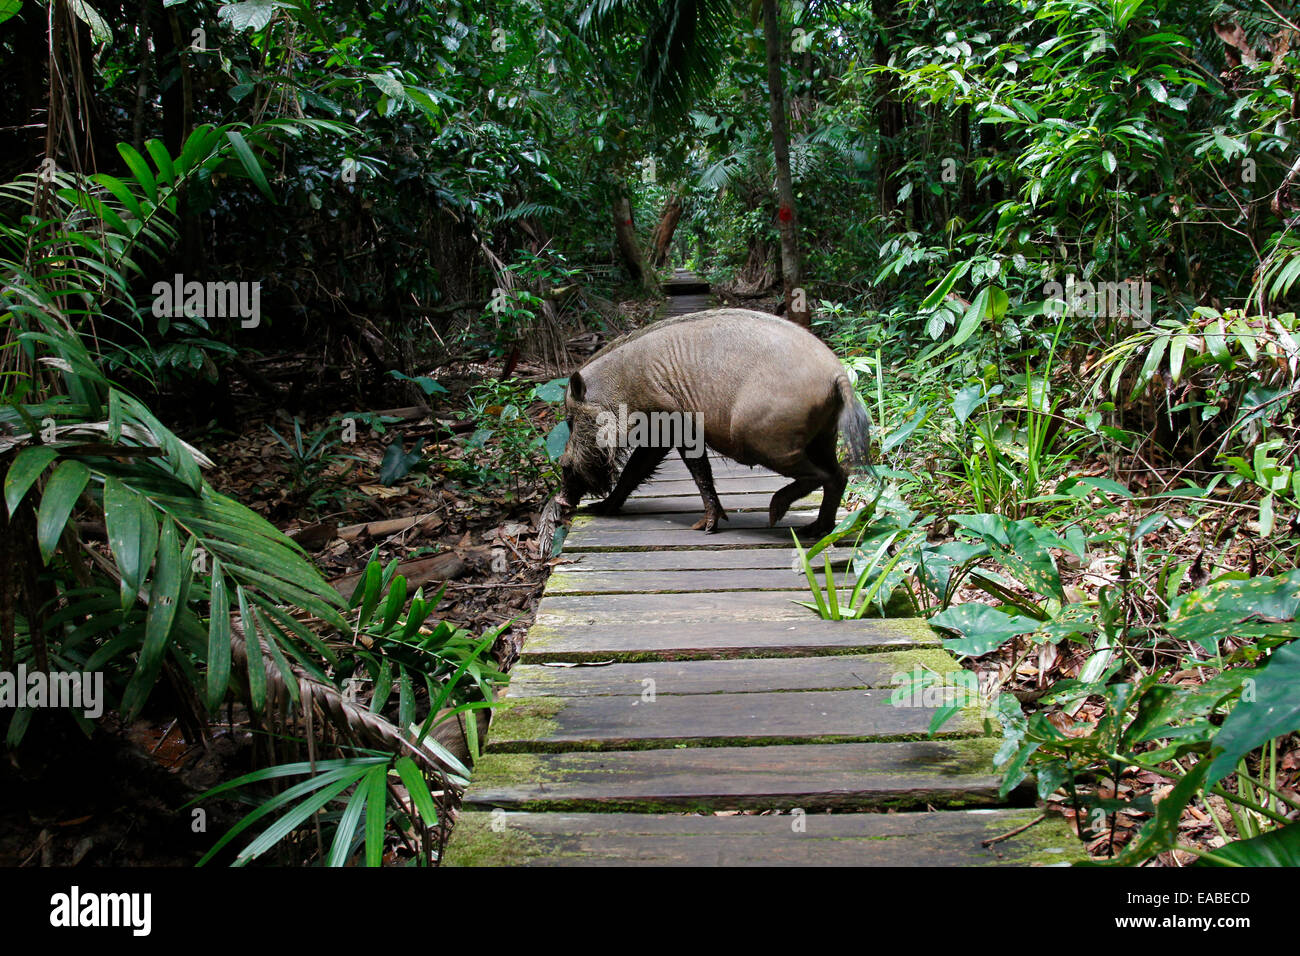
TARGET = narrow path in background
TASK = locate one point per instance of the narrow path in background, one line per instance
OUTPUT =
(686, 293)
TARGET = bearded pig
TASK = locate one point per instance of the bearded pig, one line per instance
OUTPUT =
(753, 387)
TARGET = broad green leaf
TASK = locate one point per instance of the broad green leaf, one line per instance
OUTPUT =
(375, 785)
(132, 535)
(219, 636)
(418, 789)
(140, 170)
(165, 595)
(1249, 610)
(249, 161)
(247, 14)
(556, 441)
(974, 315)
(346, 831)
(23, 472)
(983, 628)
(252, 652)
(61, 493)
(1280, 847)
(1268, 709)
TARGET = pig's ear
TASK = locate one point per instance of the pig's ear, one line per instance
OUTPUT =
(577, 387)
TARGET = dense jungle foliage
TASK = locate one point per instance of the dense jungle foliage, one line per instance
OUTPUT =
(1055, 240)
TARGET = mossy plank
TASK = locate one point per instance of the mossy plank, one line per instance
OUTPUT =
(737, 676)
(685, 485)
(633, 722)
(693, 560)
(681, 521)
(681, 610)
(894, 775)
(947, 838)
(674, 467)
(690, 503)
(598, 537)
(675, 582)
(602, 640)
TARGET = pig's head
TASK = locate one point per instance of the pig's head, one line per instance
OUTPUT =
(588, 465)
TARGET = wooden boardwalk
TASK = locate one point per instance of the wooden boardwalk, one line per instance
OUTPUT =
(686, 293)
(674, 706)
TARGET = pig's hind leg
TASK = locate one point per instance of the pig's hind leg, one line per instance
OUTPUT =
(783, 499)
(640, 466)
(822, 453)
(817, 466)
(702, 472)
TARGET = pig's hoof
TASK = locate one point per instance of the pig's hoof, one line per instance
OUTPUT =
(814, 532)
(709, 523)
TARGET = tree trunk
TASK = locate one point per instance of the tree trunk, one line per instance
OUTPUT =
(629, 248)
(661, 239)
(890, 116)
(796, 299)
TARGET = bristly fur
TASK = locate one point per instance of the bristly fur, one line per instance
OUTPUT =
(658, 326)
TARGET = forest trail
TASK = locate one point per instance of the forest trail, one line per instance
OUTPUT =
(670, 674)
(687, 293)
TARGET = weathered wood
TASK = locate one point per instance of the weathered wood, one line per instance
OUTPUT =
(736, 676)
(682, 521)
(690, 560)
(676, 610)
(759, 485)
(894, 775)
(380, 529)
(606, 641)
(669, 582)
(692, 504)
(626, 723)
(685, 282)
(952, 838)
(597, 538)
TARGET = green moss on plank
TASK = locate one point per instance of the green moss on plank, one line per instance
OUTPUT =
(1051, 842)
(525, 718)
(536, 744)
(506, 769)
(902, 633)
(474, 842)
(927, 659)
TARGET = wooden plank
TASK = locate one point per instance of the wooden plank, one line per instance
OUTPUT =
(606, 641)
(680, 610)
(812, 776)
(949, 838)
(682, 521)
(692, 504)
(622, 723)
(588, 537)
(758, 485)
(677, 582)
(688, 560)
(673, 582)
(735, 676)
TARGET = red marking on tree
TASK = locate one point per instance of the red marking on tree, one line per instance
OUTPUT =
(628, 222)
(785, 214)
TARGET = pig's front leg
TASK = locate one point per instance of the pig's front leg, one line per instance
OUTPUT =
(702, 472)
(640, 464)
